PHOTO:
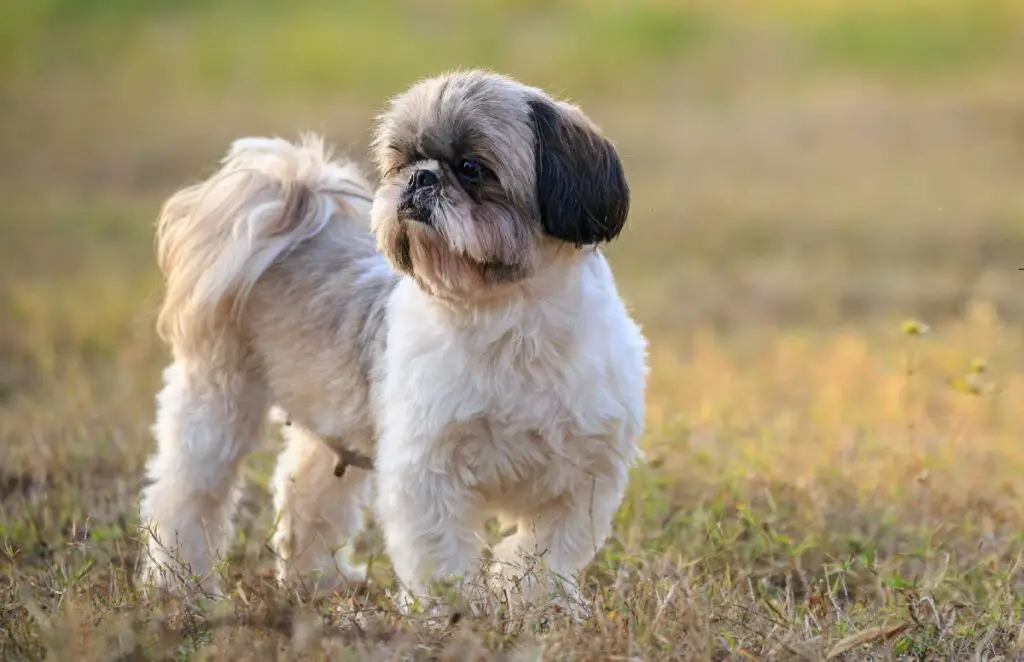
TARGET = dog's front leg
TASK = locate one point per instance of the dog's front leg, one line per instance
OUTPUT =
(540, 562)
(430, 520)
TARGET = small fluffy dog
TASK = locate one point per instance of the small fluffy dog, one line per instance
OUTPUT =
(460, 327)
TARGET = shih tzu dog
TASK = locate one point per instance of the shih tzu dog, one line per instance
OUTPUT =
(459, 326)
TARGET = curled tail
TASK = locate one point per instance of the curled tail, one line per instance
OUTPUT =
(217, 237)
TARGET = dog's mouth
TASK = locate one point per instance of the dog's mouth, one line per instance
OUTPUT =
(413, 207)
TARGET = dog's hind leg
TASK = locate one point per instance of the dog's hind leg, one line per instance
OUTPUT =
(207, 422)
(318, 513)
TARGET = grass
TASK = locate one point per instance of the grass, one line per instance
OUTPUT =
(800, 488)
(820, 477)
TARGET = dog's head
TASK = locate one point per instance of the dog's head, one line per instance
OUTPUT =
(484, 180)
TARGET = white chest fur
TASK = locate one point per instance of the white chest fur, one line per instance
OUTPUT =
(535, 396)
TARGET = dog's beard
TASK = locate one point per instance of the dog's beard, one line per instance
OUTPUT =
(450, 251)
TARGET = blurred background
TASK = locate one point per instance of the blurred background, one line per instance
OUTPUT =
(793, 161)
(794, 164)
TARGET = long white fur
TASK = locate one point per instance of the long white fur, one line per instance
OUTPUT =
(529, 409)
(527, 412)
(216, 239)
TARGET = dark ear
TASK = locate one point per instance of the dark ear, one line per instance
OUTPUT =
(581, 187)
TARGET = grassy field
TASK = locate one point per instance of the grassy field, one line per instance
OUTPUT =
(827, 226)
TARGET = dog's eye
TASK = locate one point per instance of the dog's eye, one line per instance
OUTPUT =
(470, 171)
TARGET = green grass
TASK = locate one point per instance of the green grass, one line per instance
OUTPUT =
(805, 176)
(922, 40)
(354, 47)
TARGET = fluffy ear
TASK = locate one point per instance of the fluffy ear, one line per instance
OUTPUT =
(581, 187)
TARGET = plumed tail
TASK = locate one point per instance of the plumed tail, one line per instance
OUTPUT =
(217, 237)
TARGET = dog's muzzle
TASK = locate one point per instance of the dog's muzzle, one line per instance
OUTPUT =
(420, 195)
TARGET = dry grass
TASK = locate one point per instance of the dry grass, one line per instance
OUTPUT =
(805, 177)
(800, 488)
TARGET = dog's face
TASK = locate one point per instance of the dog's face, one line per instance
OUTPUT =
(483, 178)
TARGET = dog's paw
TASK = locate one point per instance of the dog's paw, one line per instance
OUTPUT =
(347, 568)
(410, 605)
(434, 610)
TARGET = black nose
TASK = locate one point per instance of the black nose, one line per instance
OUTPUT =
(423, 179)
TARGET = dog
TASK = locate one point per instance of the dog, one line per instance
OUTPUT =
(459, 325)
